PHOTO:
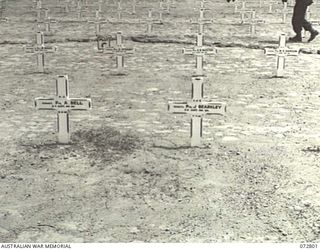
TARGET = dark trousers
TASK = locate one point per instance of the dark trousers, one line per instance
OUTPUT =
(299, 17)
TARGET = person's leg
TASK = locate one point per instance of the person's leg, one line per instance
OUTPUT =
(308, 27)
(299, 12)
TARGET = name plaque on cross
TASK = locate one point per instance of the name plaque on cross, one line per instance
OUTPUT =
(197, 108)
(63, 104)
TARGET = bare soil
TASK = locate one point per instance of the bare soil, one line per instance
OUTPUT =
(129, 174)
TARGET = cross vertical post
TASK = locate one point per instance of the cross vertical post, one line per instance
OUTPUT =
(199, 51)
(40, 56)
(119, 46)
(134, 5)
(100, 3)
(196, 121)
(119, 10)
(63, 119)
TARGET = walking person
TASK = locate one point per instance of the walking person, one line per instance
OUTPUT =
(299, 21)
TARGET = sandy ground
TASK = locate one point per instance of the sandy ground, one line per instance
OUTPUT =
(129, 174)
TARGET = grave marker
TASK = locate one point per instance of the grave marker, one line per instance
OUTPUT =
(199, 51)
(119, 10)
(197, 108)
(271, 3)
(150, 21)
(47, 22)
(284, 12)
(202, 21)
(169, 5)
(40, 49)
(253, 22)
(2, 10)
(118, 51)
(63, 104)
(282, 52)
(243, 7)
(97, 22)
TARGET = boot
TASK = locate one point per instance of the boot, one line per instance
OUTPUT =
(313, 35)
(295, 39)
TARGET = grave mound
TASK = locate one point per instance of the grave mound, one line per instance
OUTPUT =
(106, 143)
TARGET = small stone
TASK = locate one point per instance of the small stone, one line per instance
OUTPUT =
(306, 203)
(134, 230)
(297, 208)
(229, 139)
(152, 90)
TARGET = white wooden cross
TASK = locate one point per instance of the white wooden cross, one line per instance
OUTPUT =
(161, 10)
(169, 5)
(271, 3)
(285, 11)
(243, 7)
(150, 21)
(202, 21)
(97, 22)
(119, 10)
(202, 3)
(197, 108)
(282, 52)
(119, 51)
(63, 104)
(261, 2)
(100, 5)
(134, 7)
(253, 21)
(47, 22)
(199, 51)
(80, 10)
(308, 13)
(2, 10)
(39, 11)
(40, 49)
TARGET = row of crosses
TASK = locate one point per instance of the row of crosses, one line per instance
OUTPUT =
(198, 107)
(80, 7)
(61, 102)
(40, 49)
